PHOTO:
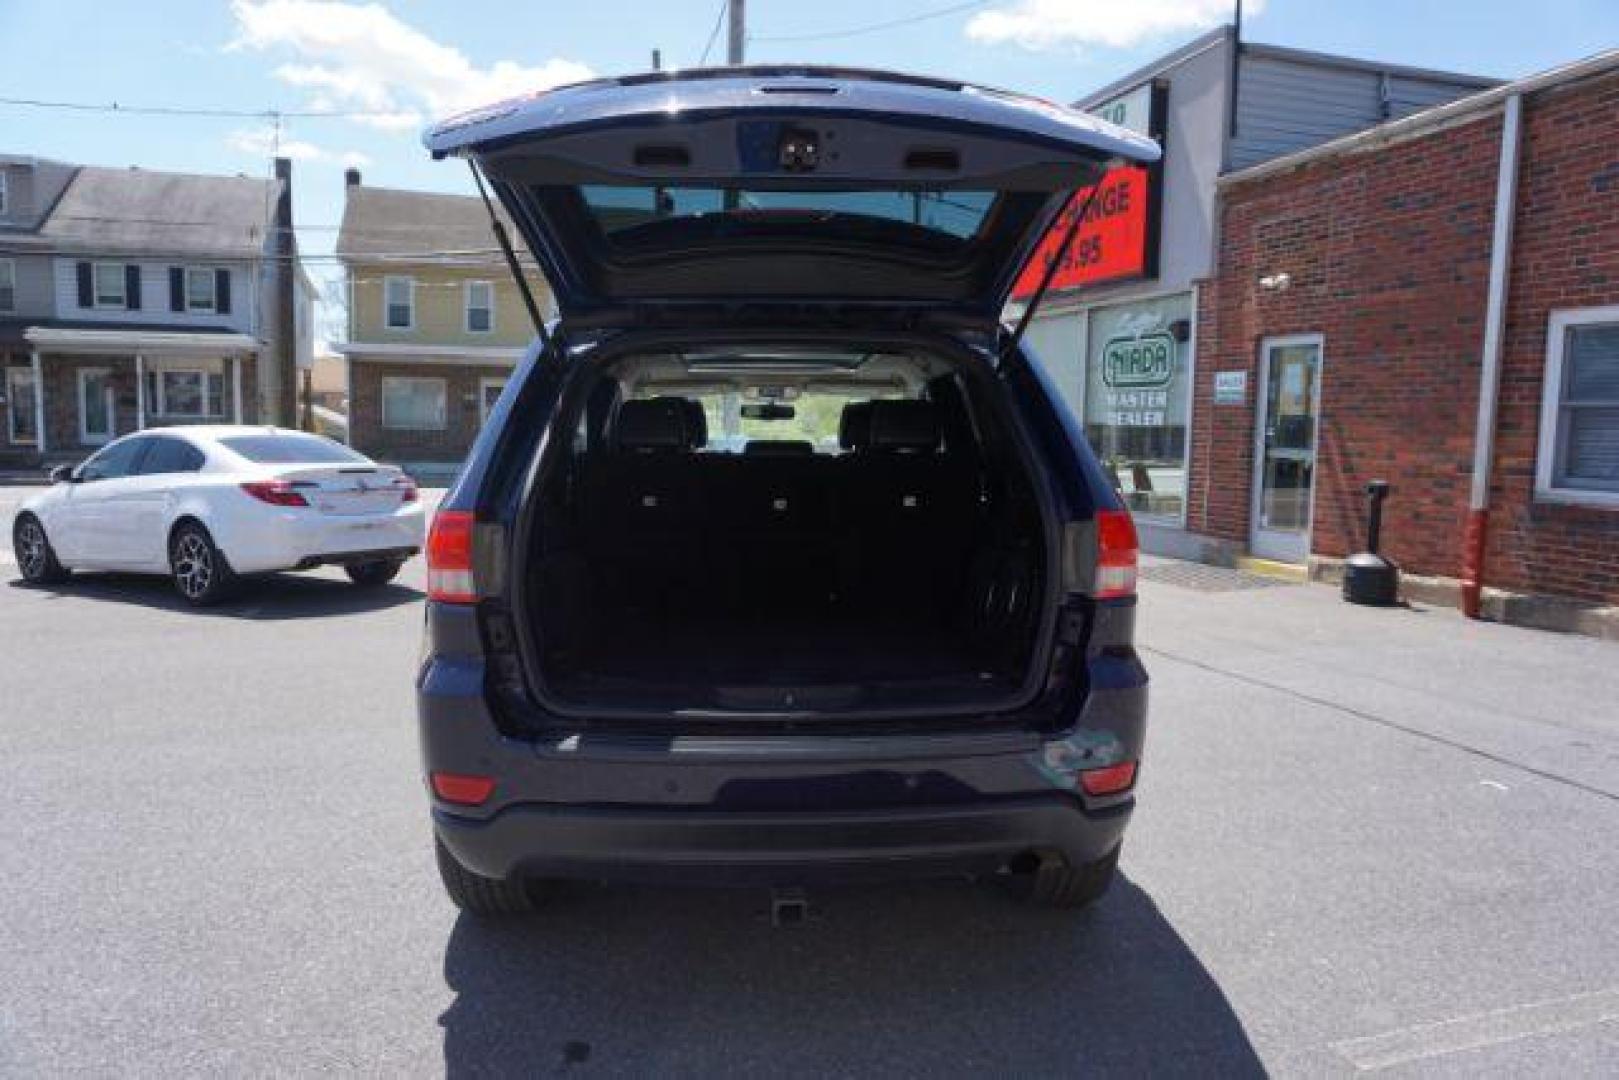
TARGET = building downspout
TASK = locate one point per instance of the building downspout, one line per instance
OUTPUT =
(1489, 383)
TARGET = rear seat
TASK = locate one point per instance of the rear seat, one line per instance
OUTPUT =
(907, 508)
(889, 523)
(640, 503)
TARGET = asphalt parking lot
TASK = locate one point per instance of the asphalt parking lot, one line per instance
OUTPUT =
(1367, 840)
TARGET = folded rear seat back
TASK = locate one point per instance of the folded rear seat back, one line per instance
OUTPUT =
(641, 505)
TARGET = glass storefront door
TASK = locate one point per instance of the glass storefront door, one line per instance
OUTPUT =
(1289, 403)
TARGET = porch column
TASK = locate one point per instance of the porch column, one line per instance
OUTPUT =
(40, 442)
(236, 387)
(140, 392)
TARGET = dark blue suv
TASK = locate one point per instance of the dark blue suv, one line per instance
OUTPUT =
(778, 560)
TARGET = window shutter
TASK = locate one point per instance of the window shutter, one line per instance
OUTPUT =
(132, 286)
(87, 286)
(177, 288)
(222, 291)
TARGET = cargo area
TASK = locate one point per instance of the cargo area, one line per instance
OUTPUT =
(755, 535)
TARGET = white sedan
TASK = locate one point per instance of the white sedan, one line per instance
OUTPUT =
(205, 504)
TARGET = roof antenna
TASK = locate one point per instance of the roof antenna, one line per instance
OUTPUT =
(511, 260)
(1051, 267)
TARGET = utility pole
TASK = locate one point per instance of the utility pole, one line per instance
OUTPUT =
(737, 10)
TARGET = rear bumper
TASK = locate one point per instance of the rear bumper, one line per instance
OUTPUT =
(780, 848)
(282, 539)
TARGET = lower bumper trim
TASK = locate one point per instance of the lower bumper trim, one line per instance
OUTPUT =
(748, 848)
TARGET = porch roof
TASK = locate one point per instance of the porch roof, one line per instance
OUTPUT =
(82, 337)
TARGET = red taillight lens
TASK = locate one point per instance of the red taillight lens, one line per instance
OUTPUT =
(449, 558)
(407, 489)
(275, 492)
(463, 789)
(1109, 781)
(1117, 552)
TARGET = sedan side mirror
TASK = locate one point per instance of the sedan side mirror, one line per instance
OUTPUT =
(63, 474)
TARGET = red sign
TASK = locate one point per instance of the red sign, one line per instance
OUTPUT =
(1111, 244)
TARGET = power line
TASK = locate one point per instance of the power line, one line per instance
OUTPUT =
(178, 110)
(719, 17)
(871, 28)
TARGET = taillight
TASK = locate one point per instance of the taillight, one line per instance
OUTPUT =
(1117, 552)
(449, 558)
(407, 489)
(275, 492)
(463, 789)
(1109, 781)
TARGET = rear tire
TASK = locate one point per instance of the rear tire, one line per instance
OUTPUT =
(481, 897)
(202, 577)
(372, 574)
(1053, 883)
(36, 559)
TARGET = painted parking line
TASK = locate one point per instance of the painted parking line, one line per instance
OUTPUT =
(1480, 1030)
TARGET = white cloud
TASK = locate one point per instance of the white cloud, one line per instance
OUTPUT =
(261, 142)
(1049, 24)
(361, 57)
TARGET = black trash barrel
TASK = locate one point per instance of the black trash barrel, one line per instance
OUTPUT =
(1369, 578)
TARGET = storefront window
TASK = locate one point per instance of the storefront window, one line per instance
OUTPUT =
(1137, 391)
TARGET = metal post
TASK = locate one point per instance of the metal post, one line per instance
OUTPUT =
(140, 392)
(39, 402)
(737, 11)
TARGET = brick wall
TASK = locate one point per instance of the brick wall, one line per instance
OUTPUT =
(462, 412)
(62, 398)
(1388, 259)
(1388, 253)
(1565, 255)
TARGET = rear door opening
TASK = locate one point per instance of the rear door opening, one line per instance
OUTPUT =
(788, 533)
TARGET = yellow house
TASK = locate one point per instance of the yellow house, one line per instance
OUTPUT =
(435, 322)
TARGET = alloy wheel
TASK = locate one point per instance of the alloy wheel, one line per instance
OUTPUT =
(193, 565)
(32, 551)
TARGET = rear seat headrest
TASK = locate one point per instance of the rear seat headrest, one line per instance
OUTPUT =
(904, 425)
(854, 426)
(778, 448)
(651, 424)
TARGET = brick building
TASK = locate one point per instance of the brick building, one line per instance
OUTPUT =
(435, 323)
(1352, 323)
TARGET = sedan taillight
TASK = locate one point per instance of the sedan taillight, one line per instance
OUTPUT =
(275, 492)
(407, 489)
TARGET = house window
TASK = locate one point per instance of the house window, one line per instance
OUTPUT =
(480, 307)
(414, 404)
(185, 394)
(201, 294)
(8, 285)
(401, 302)
(111, 281)
(1579, 417)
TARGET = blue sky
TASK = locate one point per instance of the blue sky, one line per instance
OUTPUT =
(402, 61)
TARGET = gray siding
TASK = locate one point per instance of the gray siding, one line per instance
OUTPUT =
(34, 285)
(1285, 105)
(154, 310)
